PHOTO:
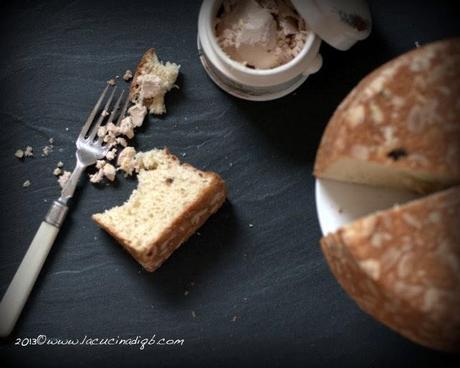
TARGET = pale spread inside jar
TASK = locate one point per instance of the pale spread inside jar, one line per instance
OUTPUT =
(260, 34)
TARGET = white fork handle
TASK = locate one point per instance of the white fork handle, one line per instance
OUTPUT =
(20, 287)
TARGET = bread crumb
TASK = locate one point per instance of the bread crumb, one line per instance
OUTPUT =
(97, 176)
(19, 153)
(109, 171)
(121, 141)
(28, 152)
(111, 154)
(47, 150)
(128, 75)
(60, 164)
(104, 170)
(64, 178)
(126, 160)
(57, 171)
(137, 113)
(112, 82)
(26, 184)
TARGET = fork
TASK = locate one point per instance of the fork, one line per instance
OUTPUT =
(90, 148)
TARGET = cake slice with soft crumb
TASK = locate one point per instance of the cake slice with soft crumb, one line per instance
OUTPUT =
(171, 202)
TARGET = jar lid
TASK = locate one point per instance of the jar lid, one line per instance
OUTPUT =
(340, 23)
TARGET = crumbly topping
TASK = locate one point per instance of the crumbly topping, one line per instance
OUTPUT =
(151, 86)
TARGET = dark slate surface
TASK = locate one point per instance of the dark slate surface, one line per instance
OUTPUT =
(56, 57)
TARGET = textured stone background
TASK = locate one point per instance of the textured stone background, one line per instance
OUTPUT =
(271, 277)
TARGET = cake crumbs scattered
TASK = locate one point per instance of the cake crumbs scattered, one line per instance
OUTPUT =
(57, 171)
(47, 150)
(193, 314)
(111, 154)
(19, 153)
(112, 82)
(184, 154)
(234, 318)
(64, 178)
(128, 75)
(251, 225)
(60, 164)
(105, 170)
(51, 140)
(26, 184)
(28, 152)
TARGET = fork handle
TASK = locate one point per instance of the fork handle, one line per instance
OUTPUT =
(18, 291)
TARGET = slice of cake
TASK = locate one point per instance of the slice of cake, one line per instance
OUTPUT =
(402, 266)
(400, 126)
(171, 202)
(151, 82)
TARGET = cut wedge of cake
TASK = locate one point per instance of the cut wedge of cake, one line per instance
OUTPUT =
(400, 126)
(402, 266)
(151, 81)
(171, 202)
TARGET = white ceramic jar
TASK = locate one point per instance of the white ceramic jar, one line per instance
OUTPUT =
(326, 20)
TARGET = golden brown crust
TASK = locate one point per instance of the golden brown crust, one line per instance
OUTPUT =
(402, 266)
(134, 88)
(152, 256)
(404, 115)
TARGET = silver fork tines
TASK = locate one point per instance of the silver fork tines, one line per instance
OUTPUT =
(88, 152)
(89, 149)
